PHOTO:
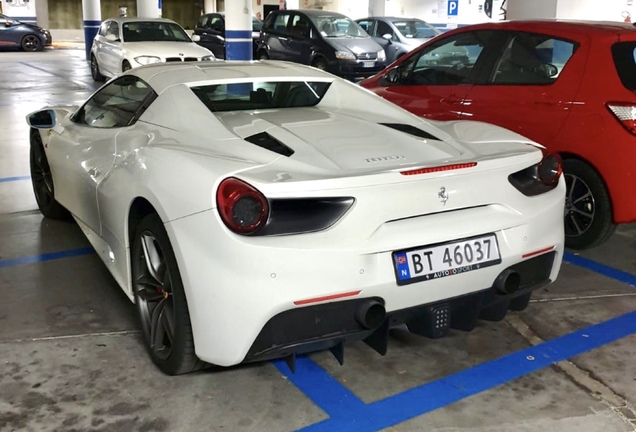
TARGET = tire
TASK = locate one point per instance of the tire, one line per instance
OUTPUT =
(262, 55)
(95, 73)
(160, 300)
(319, 63)
(42, 180)
(588, 208)
(125, 66)
(31, 43)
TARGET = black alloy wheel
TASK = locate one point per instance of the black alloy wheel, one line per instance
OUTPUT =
(31, 43)
(160, 300)
(42, 180)
(95, 73)
(588, 208)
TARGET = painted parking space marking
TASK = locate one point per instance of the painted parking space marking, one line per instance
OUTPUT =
(597, 267)
(46, 257)
(348, 413)
(13, 179)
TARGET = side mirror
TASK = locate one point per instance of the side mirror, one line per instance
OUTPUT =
(196, 38)
(111, 38)
(387, 36)
(43, 119)
(8, 23)
(393, 75)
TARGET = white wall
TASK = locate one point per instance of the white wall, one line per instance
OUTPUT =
(608, 10)
(20, 9)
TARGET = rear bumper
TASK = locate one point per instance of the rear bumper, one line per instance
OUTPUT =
(327, 325)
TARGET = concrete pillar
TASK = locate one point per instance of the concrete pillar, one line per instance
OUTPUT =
(149, 8)
(238, 30)
(536, 9)
(377, 7)
(209, 6)
(42, 13)
(91, 12)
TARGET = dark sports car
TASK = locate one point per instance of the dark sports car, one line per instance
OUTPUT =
(28, 37)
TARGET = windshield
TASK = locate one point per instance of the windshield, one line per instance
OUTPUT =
(415, 29)
(153, 31)
(338, 27)
(261, 95)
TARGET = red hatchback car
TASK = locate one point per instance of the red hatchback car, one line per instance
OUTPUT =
(570, 86)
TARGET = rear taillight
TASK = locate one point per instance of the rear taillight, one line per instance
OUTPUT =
(242, 207)
(625, 113)
(539, 178)
(550, 169)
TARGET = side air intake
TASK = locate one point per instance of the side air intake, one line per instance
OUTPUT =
(268, 142)
(411, 130)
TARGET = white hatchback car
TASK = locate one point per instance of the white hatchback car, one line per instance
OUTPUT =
(125, 43)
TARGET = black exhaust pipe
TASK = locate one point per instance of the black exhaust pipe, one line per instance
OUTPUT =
(507, 282)
(371, 314)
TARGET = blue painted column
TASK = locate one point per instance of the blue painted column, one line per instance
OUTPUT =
(91, 12)
(149, 8)
(238, 30)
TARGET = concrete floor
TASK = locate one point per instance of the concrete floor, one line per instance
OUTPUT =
(71, 358)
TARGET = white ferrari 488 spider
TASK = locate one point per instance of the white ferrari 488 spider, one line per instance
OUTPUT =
(260, 210)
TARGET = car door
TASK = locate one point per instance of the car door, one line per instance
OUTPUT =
(278, 36)
(109, 51)
(82, 155)
(392, 47)
(215, 35)
(299, 41)
(434, 81)
(530, 88)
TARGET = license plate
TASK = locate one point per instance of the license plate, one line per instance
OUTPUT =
(368, 64)
(446, 259)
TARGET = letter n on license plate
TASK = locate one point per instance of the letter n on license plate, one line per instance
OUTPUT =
(446, 259)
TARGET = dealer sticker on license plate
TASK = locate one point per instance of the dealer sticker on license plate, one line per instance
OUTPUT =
(446, 259)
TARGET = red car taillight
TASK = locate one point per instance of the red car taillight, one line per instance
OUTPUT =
(242, 207)
(625, 113)
(540, 178)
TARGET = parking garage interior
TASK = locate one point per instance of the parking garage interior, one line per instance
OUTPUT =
(71, 352)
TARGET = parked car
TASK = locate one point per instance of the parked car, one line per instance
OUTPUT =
(325, 40)
(211, 30)
(255, 210)
(27, 37)
(125, 43)
(398, 35)
(569, 86)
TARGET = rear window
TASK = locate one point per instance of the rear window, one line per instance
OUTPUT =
(624, 54)
(261, 95)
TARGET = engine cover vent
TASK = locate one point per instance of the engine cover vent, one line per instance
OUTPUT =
(268, 142)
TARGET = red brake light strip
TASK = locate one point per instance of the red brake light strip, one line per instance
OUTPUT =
(439, 168)
(540, 251)
(325, 298)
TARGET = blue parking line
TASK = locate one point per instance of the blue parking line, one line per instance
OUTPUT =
(596, 267)
(348, 413)
(440, 393)
(12, 179)
(46, 257)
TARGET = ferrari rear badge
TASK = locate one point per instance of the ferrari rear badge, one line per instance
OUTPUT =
(443, 195)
